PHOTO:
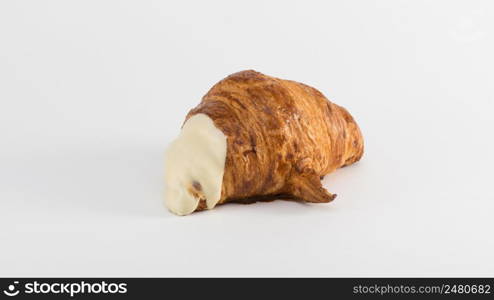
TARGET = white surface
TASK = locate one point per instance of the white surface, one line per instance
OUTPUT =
(91, 93)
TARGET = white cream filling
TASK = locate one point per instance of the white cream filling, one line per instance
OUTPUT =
(195, 161)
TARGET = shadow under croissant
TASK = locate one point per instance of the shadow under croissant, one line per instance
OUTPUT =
(265, 198)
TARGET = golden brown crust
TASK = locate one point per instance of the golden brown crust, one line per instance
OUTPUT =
(282, 136)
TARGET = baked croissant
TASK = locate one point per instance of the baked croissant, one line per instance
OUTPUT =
(255, 137)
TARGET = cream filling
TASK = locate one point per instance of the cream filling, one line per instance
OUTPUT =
(195, 164)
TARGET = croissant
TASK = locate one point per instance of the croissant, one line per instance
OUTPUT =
(255, 137)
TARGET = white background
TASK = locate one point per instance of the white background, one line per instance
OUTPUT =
(92, 92)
